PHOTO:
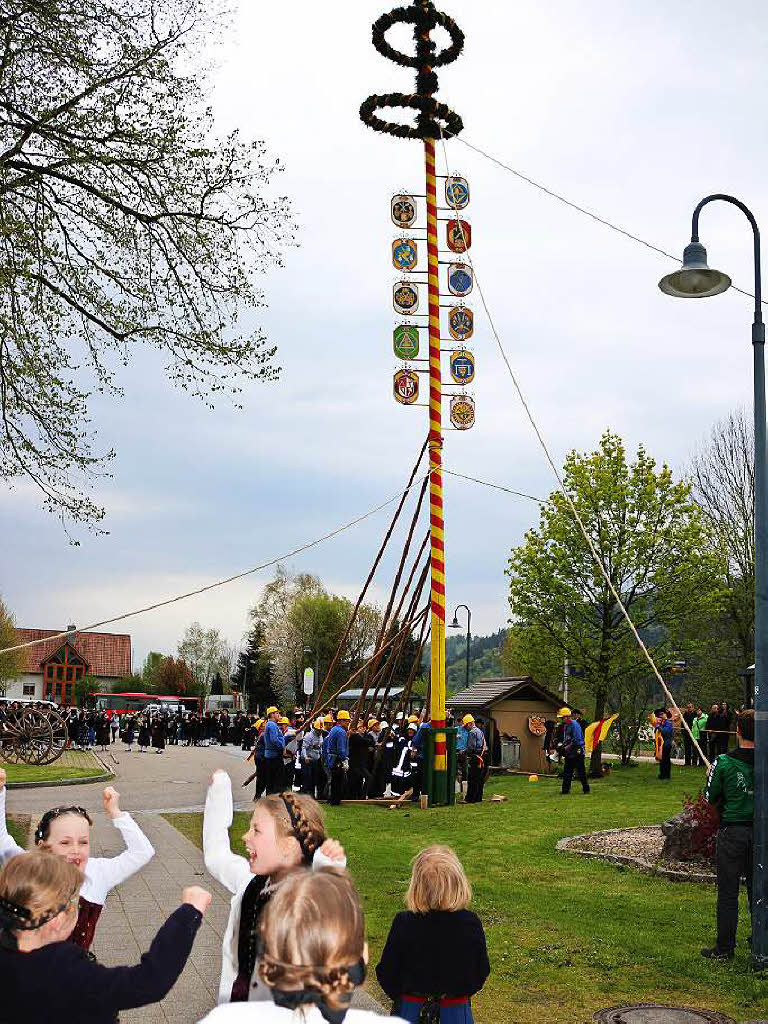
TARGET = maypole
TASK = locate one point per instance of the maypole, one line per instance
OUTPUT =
(439, 786)
(434, 121)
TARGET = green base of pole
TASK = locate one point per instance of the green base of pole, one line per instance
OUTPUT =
(440, 786)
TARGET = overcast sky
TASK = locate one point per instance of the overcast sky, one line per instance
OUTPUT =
(634, 111)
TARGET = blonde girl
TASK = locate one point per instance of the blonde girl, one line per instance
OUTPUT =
(435, 958)
(314, 954)
(65, 832)
(287, 832)
(43, 977)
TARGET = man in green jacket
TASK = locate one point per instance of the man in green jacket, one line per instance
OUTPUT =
(731, 786)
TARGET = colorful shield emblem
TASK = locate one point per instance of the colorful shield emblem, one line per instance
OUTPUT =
(405, 297)
(406, 386)
(403, 210)
(463, 412)
(405, 341)
(405, 254)
(458, 235)
(456, 192)
(462, 366)
(460, 279)
(461, 323)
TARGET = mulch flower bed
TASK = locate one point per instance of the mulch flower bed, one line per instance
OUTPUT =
(639, 847)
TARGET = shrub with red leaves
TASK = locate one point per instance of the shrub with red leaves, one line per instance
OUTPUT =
(703, 821)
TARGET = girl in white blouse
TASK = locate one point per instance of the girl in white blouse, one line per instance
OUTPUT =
(65, 832)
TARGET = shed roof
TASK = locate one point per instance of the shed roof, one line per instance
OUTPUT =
(106, 654)
(487, 692)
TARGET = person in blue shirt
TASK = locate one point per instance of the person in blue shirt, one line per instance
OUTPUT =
(477, 750)
(666, 728)
(337, 757)
(274, 745)
(572, 750)
(419, 745)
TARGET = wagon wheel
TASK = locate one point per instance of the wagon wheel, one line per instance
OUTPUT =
(37, 734)
(13, 746)
(59, 736)
(14, 750)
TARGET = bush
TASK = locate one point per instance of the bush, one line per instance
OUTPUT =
(703, 822)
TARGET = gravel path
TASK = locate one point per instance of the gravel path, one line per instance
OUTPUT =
(640, 847)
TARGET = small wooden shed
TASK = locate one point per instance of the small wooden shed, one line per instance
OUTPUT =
(514, 708)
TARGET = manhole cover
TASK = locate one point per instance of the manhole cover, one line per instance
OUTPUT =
(657, 1013)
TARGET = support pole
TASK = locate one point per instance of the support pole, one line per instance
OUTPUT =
(438, 790)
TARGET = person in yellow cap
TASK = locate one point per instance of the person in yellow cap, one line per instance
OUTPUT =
(274, 746)
(476, 754)
(337, 757)
(572, 750)
(312, 781)
(258, 758)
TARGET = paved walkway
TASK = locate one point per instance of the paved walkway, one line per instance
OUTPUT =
(149, 784)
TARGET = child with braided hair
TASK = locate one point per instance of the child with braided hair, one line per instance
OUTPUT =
(65, 832)
(314, 955)
(45, 977)
(287, 832)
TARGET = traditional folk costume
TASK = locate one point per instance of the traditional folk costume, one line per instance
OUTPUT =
(438, 958)
(145, 737)
(102, 874)
(250, 895)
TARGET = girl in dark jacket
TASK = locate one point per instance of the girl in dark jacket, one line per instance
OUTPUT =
(43, 977)
(435, 958)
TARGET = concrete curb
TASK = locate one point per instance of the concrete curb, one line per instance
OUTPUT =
(647, 867)
(81, 781)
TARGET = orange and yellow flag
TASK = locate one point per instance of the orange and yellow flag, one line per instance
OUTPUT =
(597, 732)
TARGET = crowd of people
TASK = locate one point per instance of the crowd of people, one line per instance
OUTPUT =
(294, 947)
(334, 758)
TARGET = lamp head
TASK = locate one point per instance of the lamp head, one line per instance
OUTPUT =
(694, 280)
(455, 624)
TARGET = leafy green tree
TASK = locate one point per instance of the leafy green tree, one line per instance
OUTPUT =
(11, 665)
(253, 673)
(652, 543)
(124, 222)
(297, 612)
(150, 671)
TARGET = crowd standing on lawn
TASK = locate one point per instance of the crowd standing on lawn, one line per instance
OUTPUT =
(294, 940)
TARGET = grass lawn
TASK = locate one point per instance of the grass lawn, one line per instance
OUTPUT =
(18, 826)
(73, 764)
(566, 935)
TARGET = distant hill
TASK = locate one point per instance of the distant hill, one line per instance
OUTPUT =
(484, 658)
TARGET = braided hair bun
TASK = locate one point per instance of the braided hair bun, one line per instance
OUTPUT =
(35, 887)
(313, 937)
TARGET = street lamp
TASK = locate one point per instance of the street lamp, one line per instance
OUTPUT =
(457, 625)
(696, 280)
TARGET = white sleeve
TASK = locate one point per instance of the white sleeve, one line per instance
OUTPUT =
(8, 847)
(104, 873)
(226, 867)
(320, 860)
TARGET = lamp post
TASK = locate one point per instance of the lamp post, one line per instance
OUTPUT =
(457, 625)
(696, 280)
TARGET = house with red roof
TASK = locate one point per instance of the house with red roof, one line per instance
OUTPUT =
(53, 666)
